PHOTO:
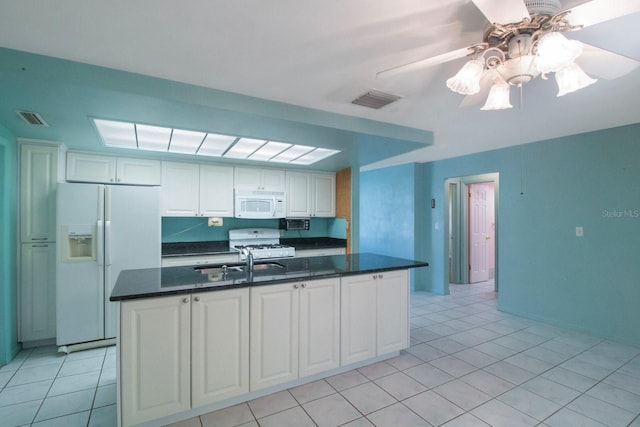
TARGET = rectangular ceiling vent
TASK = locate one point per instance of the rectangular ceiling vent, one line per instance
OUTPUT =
(32, 118)
(375, 99)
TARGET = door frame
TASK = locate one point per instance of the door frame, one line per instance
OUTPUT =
(456, 233)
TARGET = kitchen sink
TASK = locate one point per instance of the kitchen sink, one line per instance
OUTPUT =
(232, 270)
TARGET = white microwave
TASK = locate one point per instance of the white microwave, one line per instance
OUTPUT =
(256, 204)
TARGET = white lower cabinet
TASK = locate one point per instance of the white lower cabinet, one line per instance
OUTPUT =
(155, 354)
(393, 311)
(374, 315)
(294, 331)
(38, 291)
(191, 352)
(358, 319)
(219, 345)
(179, 352)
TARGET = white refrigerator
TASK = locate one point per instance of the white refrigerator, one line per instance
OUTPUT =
(102, 230)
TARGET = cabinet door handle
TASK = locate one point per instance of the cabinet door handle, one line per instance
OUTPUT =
(39, 246)
(196, 299)
(39, 238)
(296, 286)
(304, 285)
(379, 276)
(375, 276)
(185, 300)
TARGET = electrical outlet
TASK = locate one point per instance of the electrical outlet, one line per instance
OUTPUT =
(215, 222)
(579, 231)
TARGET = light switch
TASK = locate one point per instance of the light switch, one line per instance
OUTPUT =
(579, 231)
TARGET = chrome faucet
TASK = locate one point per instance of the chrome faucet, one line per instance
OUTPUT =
(249, 257)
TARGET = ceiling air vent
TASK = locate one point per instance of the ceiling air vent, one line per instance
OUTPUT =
(375, 99)
(32, 118)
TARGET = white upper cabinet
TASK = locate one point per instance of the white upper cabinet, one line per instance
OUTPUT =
(216, 190)
(324, 195)
(259, 179)
(180, 189)
(298, 194)
(311, 194)
(38, 182)
(83, 167)
(190, 189)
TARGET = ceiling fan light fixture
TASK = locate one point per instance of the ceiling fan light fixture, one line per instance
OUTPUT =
(467, 80)
(518, 71)
(572, 78)
(556, 52)
(498, 98)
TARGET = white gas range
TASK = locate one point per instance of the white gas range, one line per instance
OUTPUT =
(261, 242)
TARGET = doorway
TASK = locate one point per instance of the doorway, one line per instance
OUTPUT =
(471, 242)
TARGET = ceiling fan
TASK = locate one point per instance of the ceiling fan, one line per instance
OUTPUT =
(525, 40)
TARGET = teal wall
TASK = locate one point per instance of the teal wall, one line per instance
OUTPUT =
(8, 244)
(195, 229)
(547, 189)
(392, 214)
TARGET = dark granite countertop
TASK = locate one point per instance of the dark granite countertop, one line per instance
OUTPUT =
(152, 282)
(219, 247)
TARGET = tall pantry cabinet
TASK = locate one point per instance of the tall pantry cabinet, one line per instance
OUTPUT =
(37, 287)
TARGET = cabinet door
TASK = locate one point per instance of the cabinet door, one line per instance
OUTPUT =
(274, 335)
(180, 189)
(37, 291)
(357, 319)
(393, 313)
(324, 195)
(155, 358)
(220, 345)
(216, 190)
(91, 168)
(38, 180)
(259, 179)
(272, 179)
(298, 194)
(137, 171)
(319, 326)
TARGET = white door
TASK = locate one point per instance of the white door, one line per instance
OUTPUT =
(298, 194)
(479, 232)
(393, 311)
(274, 335)
(319, 326)
(357, 319)
(155, 358)
(132, 237)
(219, 346)
(324, 195)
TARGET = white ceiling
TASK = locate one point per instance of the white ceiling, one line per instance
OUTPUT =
(323, 54)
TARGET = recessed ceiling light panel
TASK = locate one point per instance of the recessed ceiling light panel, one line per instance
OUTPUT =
(243, 148)
(185, 141)
(181, 141)
(117, 134)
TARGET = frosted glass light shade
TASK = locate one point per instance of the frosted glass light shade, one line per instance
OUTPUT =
(571, 78)
(467, 80)
(556, 52)
(498, 98)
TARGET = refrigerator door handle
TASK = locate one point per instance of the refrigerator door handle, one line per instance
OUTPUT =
(107, 243)
(100, 242)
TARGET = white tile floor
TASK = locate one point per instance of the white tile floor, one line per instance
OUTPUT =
(468, 365)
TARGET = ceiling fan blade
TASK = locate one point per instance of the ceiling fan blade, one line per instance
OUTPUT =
(597, 11)
(425, 63)
(605, 64)
(502, 11)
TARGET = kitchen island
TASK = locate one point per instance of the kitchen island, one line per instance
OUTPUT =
(195, 339)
